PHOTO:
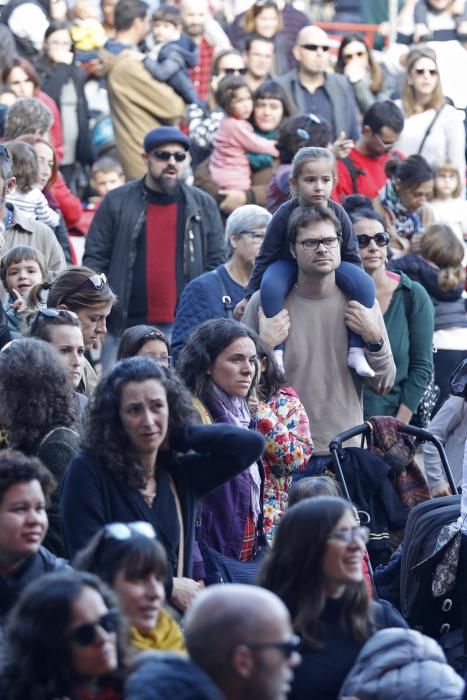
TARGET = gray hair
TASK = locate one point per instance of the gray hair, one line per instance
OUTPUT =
(247, 218)
(6, 168)
(303, 155)
(27, 115)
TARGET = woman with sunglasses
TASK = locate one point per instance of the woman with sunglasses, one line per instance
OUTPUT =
(408, 315)
(89, 296)
(39, 412)
(315, 567)
(433, 128)
(356, 61)
(145, 341)
(143, 459)
(65, 639)
(129, 559)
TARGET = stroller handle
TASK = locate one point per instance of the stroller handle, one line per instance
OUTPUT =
(425, 436)
(336, 444)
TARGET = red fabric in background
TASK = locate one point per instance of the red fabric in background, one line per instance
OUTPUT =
(161, 248)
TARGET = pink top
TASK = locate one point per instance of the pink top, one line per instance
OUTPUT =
(229, 165)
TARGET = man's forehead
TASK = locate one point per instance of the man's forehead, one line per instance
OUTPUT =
(317, 229)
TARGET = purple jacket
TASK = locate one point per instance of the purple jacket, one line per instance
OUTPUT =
(224, 511)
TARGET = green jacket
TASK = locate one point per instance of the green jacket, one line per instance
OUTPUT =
(410, 326)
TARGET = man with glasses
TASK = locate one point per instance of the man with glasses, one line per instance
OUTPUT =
(259, 58)
(314, 325)
(363, 170)
(241, 645)
(155, 234)
(312, 88)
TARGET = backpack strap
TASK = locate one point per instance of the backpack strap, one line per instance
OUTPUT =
(226, 298)
(354, 172)
(430, 127)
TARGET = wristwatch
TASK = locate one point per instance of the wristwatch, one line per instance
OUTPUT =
(375, 347)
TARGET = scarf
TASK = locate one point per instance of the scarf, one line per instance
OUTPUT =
(234, 410)
(260, 161)
(405, 222)
(166, 635)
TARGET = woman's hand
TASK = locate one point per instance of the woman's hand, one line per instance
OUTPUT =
(232, 200)
(362, 321)
(240, 309)
(184, 592)
(59, 55)
(355, 71)
(441, 490)
(404, 413)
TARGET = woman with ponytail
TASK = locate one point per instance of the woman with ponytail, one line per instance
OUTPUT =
(438, 267)
(88, 294)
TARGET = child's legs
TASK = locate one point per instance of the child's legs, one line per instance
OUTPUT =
(358, 285)
(277, 282)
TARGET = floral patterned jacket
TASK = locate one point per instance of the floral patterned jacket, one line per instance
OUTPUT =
(283, 422)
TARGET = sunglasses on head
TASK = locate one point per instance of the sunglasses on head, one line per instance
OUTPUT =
(234, 71)
(97, 281)
(314, 47)
(422, 71)
(348, 56)
(381, 239)
(311, 119)
(51, 313)
(179, 156)
(86, 634)
(125, 531)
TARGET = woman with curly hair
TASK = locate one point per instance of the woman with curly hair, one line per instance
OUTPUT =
(65, 639)
(315, 567)
(39, 412)
(143, 459)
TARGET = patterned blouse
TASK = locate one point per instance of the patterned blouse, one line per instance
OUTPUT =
(284, 423)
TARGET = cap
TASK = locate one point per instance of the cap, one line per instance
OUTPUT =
(165, 134)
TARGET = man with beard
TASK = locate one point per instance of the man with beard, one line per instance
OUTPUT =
(155, 234)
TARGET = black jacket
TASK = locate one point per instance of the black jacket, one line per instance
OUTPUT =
(111, 244)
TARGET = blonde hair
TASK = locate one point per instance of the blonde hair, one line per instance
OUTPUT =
(256, 9)
(409, 102)
(448, 168)
(440, 245)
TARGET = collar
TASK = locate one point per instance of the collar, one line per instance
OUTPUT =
(15, 217)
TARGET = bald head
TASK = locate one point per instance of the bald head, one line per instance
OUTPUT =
(312, 35)
(194, 14)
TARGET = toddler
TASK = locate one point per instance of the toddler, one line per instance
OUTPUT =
(27, 196)
(312, 181)
(21, 268)
(448, 205)
(229, 164)
(106, 175)
(173, 53)
(456, 8)
(87, 32)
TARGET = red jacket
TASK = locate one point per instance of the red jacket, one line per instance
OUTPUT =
(69, 204)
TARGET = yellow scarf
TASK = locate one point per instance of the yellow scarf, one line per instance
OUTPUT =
(166, 635)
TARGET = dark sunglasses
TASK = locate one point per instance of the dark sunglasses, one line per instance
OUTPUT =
(234, 71)
(179, 156)
(51, 313)
(381, 239)
(422, 71)
(314, 47)
(348, 56)
(286, 648)
(85, 635)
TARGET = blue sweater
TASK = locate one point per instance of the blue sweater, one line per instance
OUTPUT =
(201, 300)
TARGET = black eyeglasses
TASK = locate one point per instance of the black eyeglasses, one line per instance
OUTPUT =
(234, 71)
(85, 635)
(124, 531)
(381, 239)
(51, 313)
(422, 71)
(179, 156)
(314, 47)
(97, 281)
(311, 119)
(348, 56)
(314, 244)
(286, 648)
(254, 235)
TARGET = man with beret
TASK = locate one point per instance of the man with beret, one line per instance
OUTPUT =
(154, 235)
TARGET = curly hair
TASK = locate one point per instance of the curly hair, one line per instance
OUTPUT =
(36, 393)
(24, 112)
(37, 660)
(294, 570)
(104, 436)
(15, 468)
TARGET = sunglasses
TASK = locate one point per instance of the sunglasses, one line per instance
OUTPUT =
(311, 119)
(125, 531)
(348, 56)
(234, 71)
(381, 239)
(85, 635)
(314, 47)
(383, 144)
(97, 281)
(51, 313)
(422, 71)
(349, 536)
(179, 156)
(286, 648)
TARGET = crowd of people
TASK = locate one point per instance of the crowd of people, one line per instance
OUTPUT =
(230, 232)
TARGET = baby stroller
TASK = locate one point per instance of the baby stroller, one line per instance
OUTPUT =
(425, 566)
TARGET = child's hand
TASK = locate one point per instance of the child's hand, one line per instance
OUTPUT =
(19, 305)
